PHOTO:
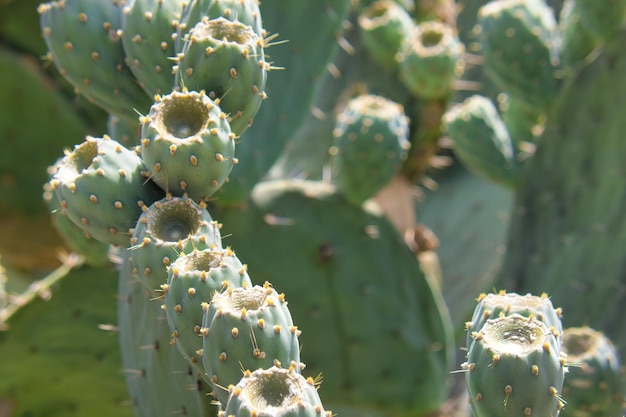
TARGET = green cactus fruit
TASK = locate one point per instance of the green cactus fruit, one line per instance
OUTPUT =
(243, 11)
(149, 44)
(160, 381)
(491, 306)
(246, 329)
(481, 140)
(594, 385)
(193, 279)
(371, 141)
(519, 43)
(514, 367)
(166, 229)
(187, 144)
(525, 125)
(274, 392)
(101, 186)
(384, 25)
(226, 60)
(576, 41)
(96, 253)
(363, 312)
(429, 60)
(603, 19)
(83, 38)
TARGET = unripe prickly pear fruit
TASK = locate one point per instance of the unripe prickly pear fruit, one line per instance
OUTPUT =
(247, 329)
(519, 42)
(481, 140)
(594, 385)
(491, 306)
(187, 144)
(384, 25)
(243, 11)
(274, 392)
(226, 60)
(101, 186)
(149, 44)
(515, 368)
(371, 141)
(83, 39)
(166, 229)
(193, 280)
(429, 60)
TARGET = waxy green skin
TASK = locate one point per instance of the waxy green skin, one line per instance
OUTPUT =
(240, 335)
(429, 60)
(165, 230)
(193, 280)
(226, 60)
(187, 144)
(274, 392)
(514, 367)
(101, 186)
(83, 38)
(148, 26)
(594, 385)
(243, 11)
(384, 25)
(370, 143)
(481, 140)
(519, 43)
(492, 306)
(152, 366)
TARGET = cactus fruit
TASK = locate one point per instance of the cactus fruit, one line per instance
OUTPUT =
(159, 380)
(96, 253)
(384, 25)
(274, 392)
(192, 281)
(594, 385)
(430, 60)
(101, 186)
(247, 329)
(83, 39)
(226, 60)
(481, 140)
(148, 43)
(187, 144)
(491, 306)
(371, 141)
(519, 43)
(166, 229)
(243, 11)
(514, 367)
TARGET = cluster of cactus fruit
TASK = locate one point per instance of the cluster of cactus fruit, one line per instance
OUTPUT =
(145, 195)
(521, 362)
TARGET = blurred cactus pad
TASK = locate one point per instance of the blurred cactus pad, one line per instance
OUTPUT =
(228, 208)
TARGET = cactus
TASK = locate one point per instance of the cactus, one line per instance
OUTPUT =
(371, 141)
(594, 384)
(226, 60)
(193, 279)
(365, 279)
(165, 230)
(247, 328)
(514, 367)
(83, 39)
(274, 392)
(187, 144)
(101, 186)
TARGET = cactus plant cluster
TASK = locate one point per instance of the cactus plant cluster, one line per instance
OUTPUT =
(212, 157)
